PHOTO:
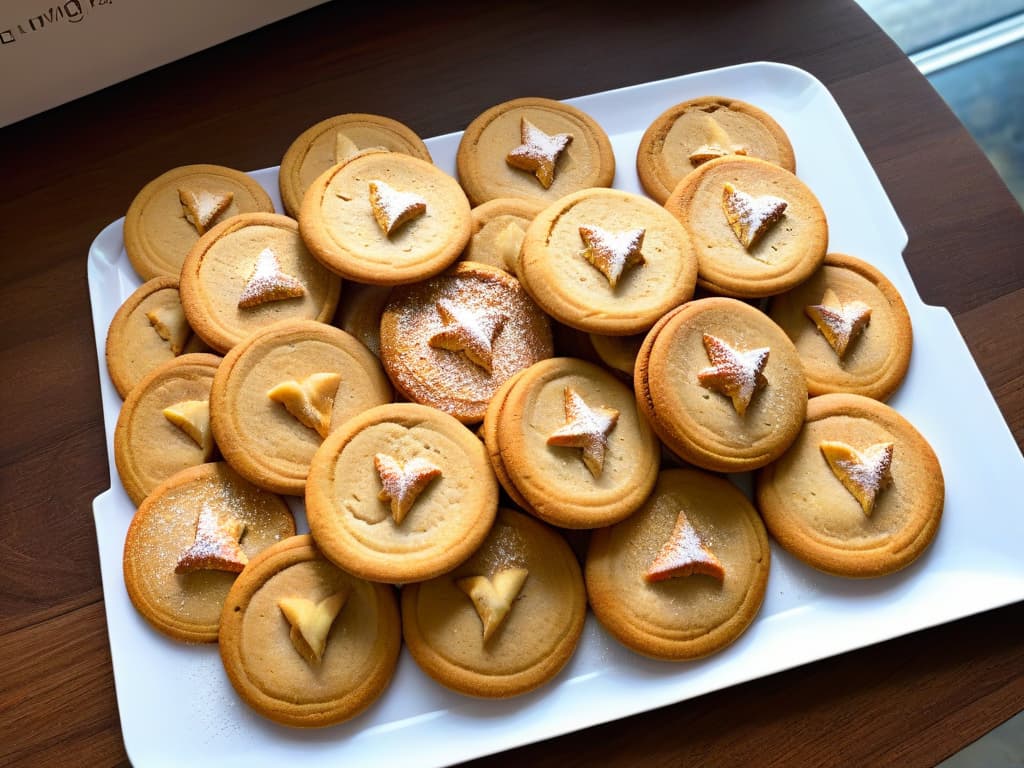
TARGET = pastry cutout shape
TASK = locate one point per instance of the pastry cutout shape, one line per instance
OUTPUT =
(193, 418)
(538, 152)
(718, 144)
(203, 207)
(585, 428)
(171, 326)
(216, 546)
(402, 484)
(311, 622)
(683, 554)
(469, 331)
(840, 323)
(268, 283)
(863, 473)
(392, 208)
(508, 244)
(612, 253)
(344, 147)
(750, 217)
(493, 598)
(734, 373)
(310, 400)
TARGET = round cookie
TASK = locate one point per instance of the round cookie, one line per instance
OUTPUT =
(722, 385)
(148, 329)
(606, 261)
(282, 390)
(164, 424)
(171, 212)
(866, 320)
(505, 621)
(189, 540)
(573, 444)
(334, 140)
(304, 643)
(250, 272)
(499, 227)
(689, 134)
(876, 512)
(686, 575)
(452, 341)
(359, 313)
(385, 218)
(400, 493)
(520, 149)
(747, 244)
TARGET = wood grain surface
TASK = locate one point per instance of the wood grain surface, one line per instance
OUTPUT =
(69, 172)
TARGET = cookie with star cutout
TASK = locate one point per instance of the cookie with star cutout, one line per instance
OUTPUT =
(451, 341)
(568, 439)
(400, 493)
(190, 539)
(533, 148)
(174, 210)
(684, 576)
(721, 385)
(859, 494)
(303, 642)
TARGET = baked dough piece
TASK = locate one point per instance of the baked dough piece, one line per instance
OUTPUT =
(184, 600)
(811, 510)
(505, 621)
(499, 227)
(291, 594)
(359, 313)
(172, 211)
(691, 517)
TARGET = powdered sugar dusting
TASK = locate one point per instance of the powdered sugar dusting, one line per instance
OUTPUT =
(839, 323)
(612, 252)
(402, 484)
(585, 428)
(392, 208)
(737, 374)
(863, 473)
(538, 152)
(202, 207)
(216, 545)
(268, 282)
(749, 216)
(683, 553)
(468, 331)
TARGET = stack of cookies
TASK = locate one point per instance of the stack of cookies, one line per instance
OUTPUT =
(500, 401)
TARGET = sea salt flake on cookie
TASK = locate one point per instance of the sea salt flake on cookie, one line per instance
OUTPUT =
(310, 400)
(585, 428)
(611, 253)
(311, 622)
(193, 418)
(737, 374)
(392, 208)
(750, 217)
(403, 483)
(538, 152)
(683, 554)
(468, 330)
(203, 207)
(863, 473)
(269, 283)
(171, 326)
(840, 323)
(493, 598)
(216, 546)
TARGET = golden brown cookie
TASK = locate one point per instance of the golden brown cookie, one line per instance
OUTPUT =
(533, 148)
(282, 390)
(400, 493)
(570, 441)
(499, 227)
(850, 326)
(757, 229)
(618, 352)
(385, 218)
(303, 642)
(722, 385)
(334, 140)
(175, 209)
(689, 134)
(250, 272)
(860, 493)
(606, 261)
(189, 540)
(686, 575)
(359, 313)
(452, 341)
(505, 621)
(148, 329)
(164, 424)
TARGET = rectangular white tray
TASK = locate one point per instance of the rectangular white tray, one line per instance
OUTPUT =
(178, 708)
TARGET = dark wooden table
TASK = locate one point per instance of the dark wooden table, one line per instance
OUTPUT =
(69, 172)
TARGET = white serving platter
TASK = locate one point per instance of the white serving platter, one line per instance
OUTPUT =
(177, 707)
